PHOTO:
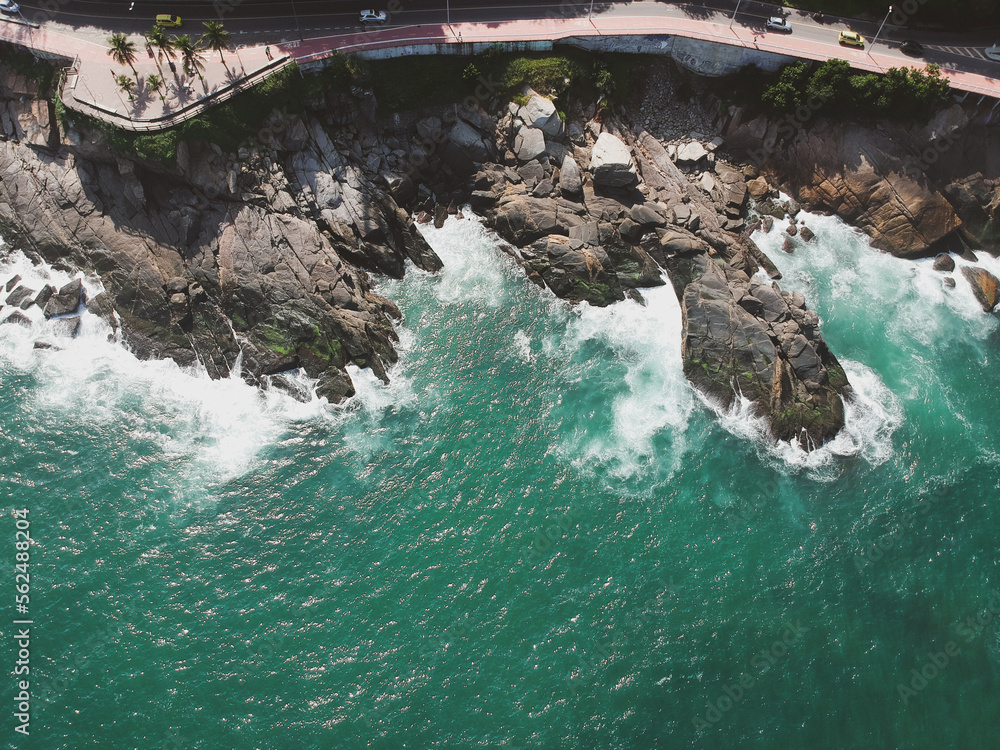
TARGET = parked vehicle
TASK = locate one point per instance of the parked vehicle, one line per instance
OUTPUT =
(373, 16)
(168, 21)
(852, 39)
(911, 48)
(9, 6)
(777, 23)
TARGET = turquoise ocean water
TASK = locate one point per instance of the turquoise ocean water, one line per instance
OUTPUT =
(537, 536)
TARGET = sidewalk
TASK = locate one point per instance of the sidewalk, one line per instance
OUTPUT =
(93, 89)
(91, 84)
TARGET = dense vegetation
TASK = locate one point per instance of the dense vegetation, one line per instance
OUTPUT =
(833, 89)
(20, 60)
(399, 84)
(409, 83)
(960, 15)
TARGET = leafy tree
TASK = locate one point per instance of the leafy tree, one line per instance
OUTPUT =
(786, 95)
(602, 78)
(122, 51)
(216, 38)
(155, 84)
(828, 83)
(163, 43)
(190, 55)
(126, 84)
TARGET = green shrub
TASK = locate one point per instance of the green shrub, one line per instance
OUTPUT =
(471, 73)
(835, 90)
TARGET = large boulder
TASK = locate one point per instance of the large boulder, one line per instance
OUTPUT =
(745, 337)
(574, 270)
(522, 219)
(984, 285)
(66, 300)
(541, 113)
(466, 148)
(529, 143)
(944, 263)
(612, 162)
(691, 153)
(570, 178)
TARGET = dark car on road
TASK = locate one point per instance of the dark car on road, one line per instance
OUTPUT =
(911, 48)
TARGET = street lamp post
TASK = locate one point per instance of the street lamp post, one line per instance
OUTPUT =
(447, 10)
(733, 19)
(297, 27)
(881, 27)
(591, 13)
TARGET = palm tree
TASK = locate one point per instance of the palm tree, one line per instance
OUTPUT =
(163, 42)
(122, 51)
(155, 83)
(217, 38)
(190, 55)
(126, 84)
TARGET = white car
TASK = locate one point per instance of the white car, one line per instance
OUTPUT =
(373, 16)
(993, 52)
(777, 23)
(9, 6)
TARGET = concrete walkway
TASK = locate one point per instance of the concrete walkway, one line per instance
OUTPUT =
(91, 87)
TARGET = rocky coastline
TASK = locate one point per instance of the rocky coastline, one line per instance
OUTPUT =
(265, 255)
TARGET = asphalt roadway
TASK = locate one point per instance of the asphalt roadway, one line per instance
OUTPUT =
(258, 21)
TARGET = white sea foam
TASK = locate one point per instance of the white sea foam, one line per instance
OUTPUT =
(521, 344)
(658, 400)
(843, 270)
(213, 430)
(472, 270)
(871, 416)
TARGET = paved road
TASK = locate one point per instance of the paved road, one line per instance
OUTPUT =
(318, 25)
(284, 20)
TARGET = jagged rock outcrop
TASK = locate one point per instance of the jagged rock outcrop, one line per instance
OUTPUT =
(596, 235)
(984, 285)
(917, 189)
(871, 178)
(743, 337)
(262, 255)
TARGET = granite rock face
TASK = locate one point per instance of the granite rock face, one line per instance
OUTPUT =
(744, 337)
(633, 219)
(869, 177)
(611, 162)
(264, 255)
(984, 285)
